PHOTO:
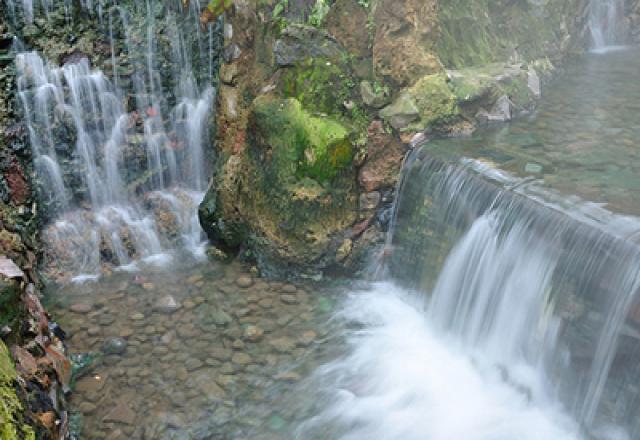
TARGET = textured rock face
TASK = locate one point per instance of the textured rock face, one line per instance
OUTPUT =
(405, 38)
(385, 154)
(383, 71)
(348, 22)
(476, 32)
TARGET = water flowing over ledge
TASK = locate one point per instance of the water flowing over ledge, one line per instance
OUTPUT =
(499, 272)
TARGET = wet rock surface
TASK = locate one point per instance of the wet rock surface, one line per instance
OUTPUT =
(218, 366)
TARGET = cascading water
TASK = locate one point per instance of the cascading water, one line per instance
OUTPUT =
(607, 23)
(121, 160)
(527, 330)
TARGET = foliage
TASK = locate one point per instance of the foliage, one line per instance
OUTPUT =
(318, 13)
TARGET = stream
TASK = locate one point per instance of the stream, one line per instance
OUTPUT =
(509, 307)
(507, 311)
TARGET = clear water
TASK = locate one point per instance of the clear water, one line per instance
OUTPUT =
(583, 138)
(218, 367)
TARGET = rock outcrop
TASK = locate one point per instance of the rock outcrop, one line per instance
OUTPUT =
(317, 112)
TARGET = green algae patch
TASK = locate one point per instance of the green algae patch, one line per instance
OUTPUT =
(11, 426)
(297, 144)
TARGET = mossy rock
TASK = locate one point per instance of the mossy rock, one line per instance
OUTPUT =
(297, 145)
(12, 427)
(429, 103)
(9, 304)
(478, 32)
(323, 86)
(482, 86)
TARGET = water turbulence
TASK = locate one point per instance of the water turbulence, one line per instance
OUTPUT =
(508, 314)
(121, 159)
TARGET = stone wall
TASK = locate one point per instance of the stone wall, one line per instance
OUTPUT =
(382, 74)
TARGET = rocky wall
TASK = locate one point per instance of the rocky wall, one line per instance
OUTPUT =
(383, 74)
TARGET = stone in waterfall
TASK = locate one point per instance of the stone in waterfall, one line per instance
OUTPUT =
(502, 110)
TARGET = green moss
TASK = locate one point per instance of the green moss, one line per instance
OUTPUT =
(217, 7)
(476, 32)
(300, 145)
(9, 300)
(434, 99)
(11, 425)
(320, 84)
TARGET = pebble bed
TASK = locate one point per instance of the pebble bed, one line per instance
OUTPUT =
(206, 352)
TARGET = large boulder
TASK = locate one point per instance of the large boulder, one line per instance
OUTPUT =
(287, 197)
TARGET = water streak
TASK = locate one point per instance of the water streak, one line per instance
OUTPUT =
(144, 166)
(509, 316)
(607, 24)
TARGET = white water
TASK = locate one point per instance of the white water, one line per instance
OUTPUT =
(126, 221)
(516, 338)
(405, 379)
(607, 25)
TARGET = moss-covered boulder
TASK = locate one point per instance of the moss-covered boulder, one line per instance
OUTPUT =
(286, 198)
(322, 85)
(12, 426)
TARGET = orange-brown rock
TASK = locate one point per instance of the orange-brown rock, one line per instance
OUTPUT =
(405, 39)
(347, 22)
(384, 159)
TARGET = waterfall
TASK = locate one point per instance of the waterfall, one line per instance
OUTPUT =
(508, 313)
(607, 24)
(536, 282)
(121, 160)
